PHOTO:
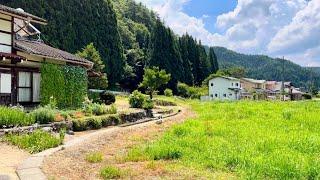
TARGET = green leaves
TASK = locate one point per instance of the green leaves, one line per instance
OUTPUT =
(67, 84)
(154, 78)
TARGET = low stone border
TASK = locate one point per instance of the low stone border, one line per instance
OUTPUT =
(31, 168)
(55, 127)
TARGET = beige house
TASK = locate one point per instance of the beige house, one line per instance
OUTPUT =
(251, 85)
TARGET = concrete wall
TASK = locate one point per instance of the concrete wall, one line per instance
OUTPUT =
(219, 89)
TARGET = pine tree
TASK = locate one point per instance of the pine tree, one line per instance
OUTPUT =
(100, 81)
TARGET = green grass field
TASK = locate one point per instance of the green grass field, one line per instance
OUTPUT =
(246, 140)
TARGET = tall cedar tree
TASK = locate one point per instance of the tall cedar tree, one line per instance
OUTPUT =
(165, 53)
(90, 53)
(204, 65)
(75, 23)
(212, 58)
(185, 55)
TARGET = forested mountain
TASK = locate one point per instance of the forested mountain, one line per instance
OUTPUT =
(72, 24)
(264, 67)
(314, 69)
(130, 37)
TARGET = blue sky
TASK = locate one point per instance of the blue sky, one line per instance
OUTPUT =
(277, 28)
(211, 9)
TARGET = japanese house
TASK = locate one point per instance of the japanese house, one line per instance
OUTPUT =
(21, 54)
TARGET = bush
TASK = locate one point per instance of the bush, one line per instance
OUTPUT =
(94, 97)
(94, 157)
(14, 117)
(188, 92)
(34, 142)
(95, 122)
(80, 125)
(107, 98)
(110, 172)
(136, 99)
(307, 96)
(112, 110)
(159, 102)
(44, 115)
(148, 104)
(168, 93)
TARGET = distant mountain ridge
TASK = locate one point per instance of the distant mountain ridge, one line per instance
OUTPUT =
(265, 67)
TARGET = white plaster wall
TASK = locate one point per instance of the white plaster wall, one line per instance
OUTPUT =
(5, 38)
(221, 86)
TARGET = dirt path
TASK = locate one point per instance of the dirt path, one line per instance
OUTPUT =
(70, 163)
(10, 158)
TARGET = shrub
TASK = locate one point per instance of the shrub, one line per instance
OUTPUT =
(188, 92)
(94, 157)
(34, 142)
(168, 93)
(112, 110)
(94, 123)
(94, 97)
(110, 172)
(80, 125)
(14, 117)
(307, 96)
(148, 104)
(107, 98)
(159, 102)
(136, 99)
(44, 115)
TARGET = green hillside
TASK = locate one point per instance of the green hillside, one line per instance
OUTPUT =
(264, 67)
(130, 37)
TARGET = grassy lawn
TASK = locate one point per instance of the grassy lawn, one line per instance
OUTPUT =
(243, 140)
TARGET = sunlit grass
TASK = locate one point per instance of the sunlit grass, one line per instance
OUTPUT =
(248, 139)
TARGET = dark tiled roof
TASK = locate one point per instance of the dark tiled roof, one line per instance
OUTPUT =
(39, 48)
(21, 13)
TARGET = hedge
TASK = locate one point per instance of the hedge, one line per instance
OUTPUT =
(66, 84)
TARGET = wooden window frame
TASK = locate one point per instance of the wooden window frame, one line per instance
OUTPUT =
(31, 71)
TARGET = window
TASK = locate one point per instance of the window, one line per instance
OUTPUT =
(211, 84)
(231, 84)
(216, 95)
(24, 87)
(36, 87)
(230, 94)
(211, 95)
(237, 84)
(5, 83)
(224, 95)
(28, 87)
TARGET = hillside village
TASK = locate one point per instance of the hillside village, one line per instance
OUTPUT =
(124, 97)
(230, 88)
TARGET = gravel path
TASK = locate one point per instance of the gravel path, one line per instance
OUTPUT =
(10, 158)
(70, 163)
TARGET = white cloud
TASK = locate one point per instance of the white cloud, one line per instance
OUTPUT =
(273, 27)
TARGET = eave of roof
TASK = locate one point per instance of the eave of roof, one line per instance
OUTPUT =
(22, 15)
(41, 49)
(227, 77)
(254, 80)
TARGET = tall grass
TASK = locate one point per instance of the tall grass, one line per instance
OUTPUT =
(250, 139)
(35, 142)
(14, 117)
